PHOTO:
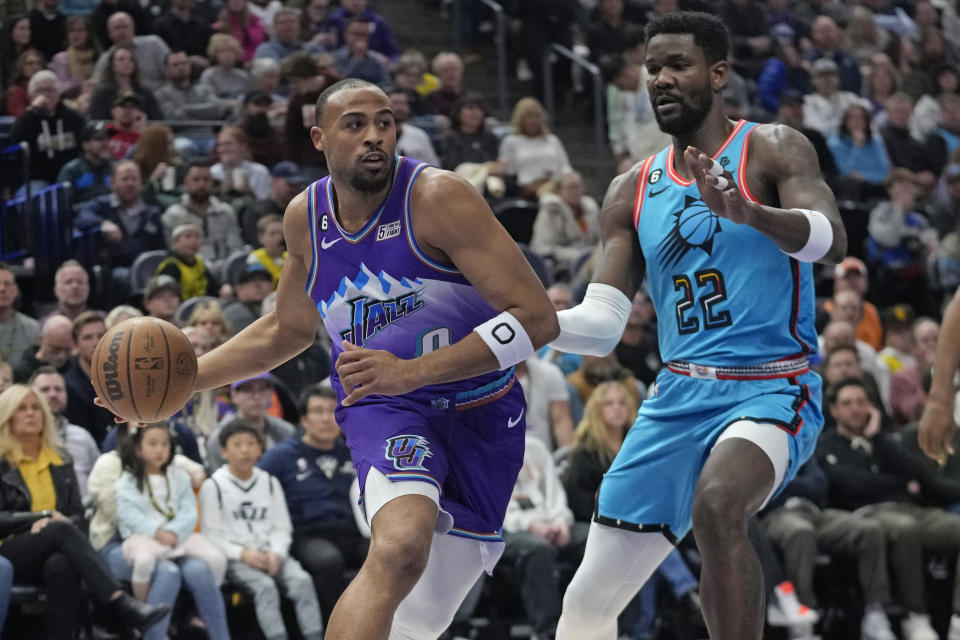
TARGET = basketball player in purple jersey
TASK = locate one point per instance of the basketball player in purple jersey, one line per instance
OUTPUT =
(430, 304)
(724, 224)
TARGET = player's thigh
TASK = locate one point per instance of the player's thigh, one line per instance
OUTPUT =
(395, 437)
(616, 563)
(738, 477)
(650, 485)
(454, 566)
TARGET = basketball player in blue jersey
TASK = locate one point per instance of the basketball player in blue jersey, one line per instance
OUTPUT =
(724, 224)
(430, 304)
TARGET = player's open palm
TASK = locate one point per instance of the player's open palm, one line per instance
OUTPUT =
(364, 372)
(717, 187)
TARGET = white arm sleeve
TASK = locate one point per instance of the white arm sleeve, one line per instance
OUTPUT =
(594, 326)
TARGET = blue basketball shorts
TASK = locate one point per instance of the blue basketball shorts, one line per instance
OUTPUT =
(650, 485)
(471, 455)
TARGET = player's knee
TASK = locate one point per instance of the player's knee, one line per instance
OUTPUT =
(400, 556)
(718, 511)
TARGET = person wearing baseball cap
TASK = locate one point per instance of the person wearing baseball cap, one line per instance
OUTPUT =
(161, 297)
(823, 109)
(851, 274)
(128, 117)
(89, 173)
(251, 285)
(287, 180)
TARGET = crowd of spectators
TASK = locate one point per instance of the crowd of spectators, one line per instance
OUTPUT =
(182, 130)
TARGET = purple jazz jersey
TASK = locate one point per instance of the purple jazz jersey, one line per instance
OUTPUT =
(376, 288)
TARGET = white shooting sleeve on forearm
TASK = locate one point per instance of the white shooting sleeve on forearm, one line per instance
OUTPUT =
(594, 326)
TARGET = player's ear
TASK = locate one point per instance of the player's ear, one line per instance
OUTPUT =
(718, 75)
(317, 137)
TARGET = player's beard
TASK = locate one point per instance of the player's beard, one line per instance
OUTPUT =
(366, 183)
(692, 109)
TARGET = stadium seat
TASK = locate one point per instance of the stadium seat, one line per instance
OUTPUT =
(233, 265)
(144, 267)
(517, 217)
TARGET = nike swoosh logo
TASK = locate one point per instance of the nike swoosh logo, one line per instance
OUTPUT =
(511, 423)
(305, 474)
(654, 194)
(326, 245)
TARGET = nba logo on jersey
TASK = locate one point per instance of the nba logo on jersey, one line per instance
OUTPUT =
(407, 452)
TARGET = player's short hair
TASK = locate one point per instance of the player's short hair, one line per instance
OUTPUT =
(335, 88)
(834, 391)
(239, 426)
(319, 390)
(709, 32)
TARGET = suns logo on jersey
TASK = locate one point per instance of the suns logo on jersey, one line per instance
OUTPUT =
(694, 226)
(407, 452)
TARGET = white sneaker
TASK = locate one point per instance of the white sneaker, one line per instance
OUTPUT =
(954, 632)
(916, 626)
(801, 616)
(875, 625)
(786, 610)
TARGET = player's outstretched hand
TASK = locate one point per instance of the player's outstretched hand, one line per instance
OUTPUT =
(368, 371)
(717, 188)
(936, 430)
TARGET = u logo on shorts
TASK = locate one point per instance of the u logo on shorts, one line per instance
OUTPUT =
(407, 452)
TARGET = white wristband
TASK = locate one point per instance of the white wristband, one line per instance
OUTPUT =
(820, 239)
(507, 338)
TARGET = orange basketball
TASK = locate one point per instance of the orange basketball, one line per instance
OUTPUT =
(144, 369)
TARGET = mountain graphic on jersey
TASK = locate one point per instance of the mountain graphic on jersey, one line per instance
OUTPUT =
(375, 301)
(694, 226)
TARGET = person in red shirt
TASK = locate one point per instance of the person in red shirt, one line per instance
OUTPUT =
(128, 121)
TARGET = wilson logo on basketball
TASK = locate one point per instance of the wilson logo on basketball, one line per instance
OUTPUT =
(149, 363)
(110, 367)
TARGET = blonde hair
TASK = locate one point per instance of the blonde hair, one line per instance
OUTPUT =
(211, 310)
(220, 41)
(522, 108)
(591, 433)
(10, 401)
(121, 313)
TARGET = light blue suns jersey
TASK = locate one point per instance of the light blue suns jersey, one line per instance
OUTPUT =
(725, 294)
